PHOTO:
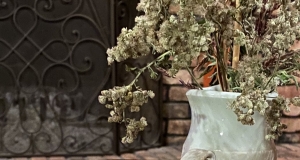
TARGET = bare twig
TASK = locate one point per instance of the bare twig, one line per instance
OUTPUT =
(236, 48)
(188, 85)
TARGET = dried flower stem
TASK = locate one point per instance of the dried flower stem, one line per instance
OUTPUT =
(236, 48)
(265, 29)
(273, 74)
(225, 51)
(147, 66)
(221, 65)
(194, 78)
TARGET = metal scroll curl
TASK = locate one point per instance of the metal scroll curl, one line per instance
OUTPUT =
(51, 10)
(52, 54)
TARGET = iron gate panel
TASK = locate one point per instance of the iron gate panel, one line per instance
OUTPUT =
(53, 66)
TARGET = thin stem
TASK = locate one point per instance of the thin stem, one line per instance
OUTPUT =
(273, 74)
(225, 52)
(148, 65)
(124, 119)
(236, 48)
(194, 78)
(215, 21)
(221, 66)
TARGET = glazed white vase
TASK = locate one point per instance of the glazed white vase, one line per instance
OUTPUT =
(216, 132)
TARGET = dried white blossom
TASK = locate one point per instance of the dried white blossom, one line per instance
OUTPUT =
(268, 30)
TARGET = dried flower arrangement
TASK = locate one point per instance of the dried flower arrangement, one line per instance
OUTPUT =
(254, 35)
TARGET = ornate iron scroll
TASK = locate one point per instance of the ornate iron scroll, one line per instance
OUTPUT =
(52, 68)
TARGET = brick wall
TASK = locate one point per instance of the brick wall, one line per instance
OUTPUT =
(176, 111)
(292, 118)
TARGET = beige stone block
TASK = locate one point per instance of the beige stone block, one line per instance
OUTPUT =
(145, 155)
(20, 158)
(169, 149)
(296, 46)
(129, 156)
(288, 91)
(176, 110)
(294, 111)
(175, 140)
(38, 158)
(57, 158)
(95, 158)
(174, 8)
(179, 127)
(293, 124)
(112, 157)
(177, 93)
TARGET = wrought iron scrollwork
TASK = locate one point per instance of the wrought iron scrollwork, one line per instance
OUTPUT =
(53, 67)
(52, 54)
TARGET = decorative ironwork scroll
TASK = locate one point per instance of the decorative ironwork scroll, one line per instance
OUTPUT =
(52, 68)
